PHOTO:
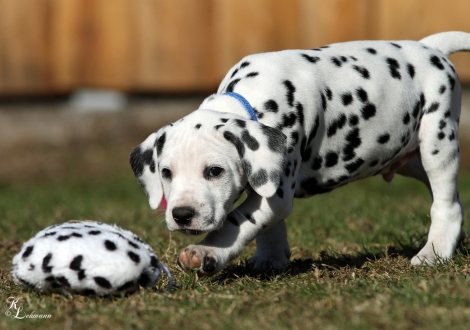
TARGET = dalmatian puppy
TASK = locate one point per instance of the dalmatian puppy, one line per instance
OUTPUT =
(87, 257)
(297, 123)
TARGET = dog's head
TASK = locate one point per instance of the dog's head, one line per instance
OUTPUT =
(202, 164)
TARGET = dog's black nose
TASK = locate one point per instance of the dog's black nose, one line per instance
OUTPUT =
(183, 215)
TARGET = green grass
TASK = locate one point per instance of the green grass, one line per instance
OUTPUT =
(350, 264)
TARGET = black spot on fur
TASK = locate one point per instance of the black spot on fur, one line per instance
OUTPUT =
(288, 120)
(300, 112)
(135, 246)
(311, 59)
(436, 62)
(353, 141)
(329, 94)
(451, 81)
(280, 192)
(394, 68)
(45, 263)
(94, 232)
(240, 123)
(134, 256)
(362, 95)
(336, 61)
(236, 142)
(250, 141)
(76, 263)
(452, 136)
(259, 178)
(252, 74)
(374, 163)
(290, 92)
(81, 274)
(244, 65)
(347, 99)
(371, 51)
(154, 261)
(411, 70)
(435, 152)
(233, 220)
(110, 246)
(442, 124)
(395, 45)
(224, 120)
(354, 166)
(63, 238)
(102, 282)
(198, 126)
(368, 111)
(353, 120)
(271, 106)
(27, 252)
(331, 159)
(63, 281)
(314, 131)
(234, 73)
(416, 109)
(317, 162)
(441, 135)
(232, 85)
(442, 89)
(307, 154)
(275, 139)
(323, 102)
(216, 127)
(384, 138)
(406, 118)
(160, 143)
(433, 107)
(363, 71)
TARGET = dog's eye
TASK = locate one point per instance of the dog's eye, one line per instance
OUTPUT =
(213, 172)
(166, 174)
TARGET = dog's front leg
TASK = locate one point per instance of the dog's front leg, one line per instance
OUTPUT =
(257, 217)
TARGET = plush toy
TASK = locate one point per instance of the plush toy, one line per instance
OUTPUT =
(87, 257)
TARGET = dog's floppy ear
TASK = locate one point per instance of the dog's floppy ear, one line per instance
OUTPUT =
(262, 150)
(143, 161)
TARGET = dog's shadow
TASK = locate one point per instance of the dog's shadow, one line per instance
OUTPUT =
(332, 260)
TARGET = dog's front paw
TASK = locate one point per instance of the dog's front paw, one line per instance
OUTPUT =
(204, 259)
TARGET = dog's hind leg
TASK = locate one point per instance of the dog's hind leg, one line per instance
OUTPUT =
(440, 156)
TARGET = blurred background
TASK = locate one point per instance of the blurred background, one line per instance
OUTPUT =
(84, 81)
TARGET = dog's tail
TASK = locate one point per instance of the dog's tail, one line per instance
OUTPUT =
(448, 42)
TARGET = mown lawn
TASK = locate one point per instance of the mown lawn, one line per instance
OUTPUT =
(350, 264)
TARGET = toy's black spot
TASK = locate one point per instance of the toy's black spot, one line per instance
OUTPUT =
(51, 233)
(110, 246)
(331, 159)
(76, 235)
(347, 99)
(160, 143)
(198, 126)
(271, 106)
(411, 70)
(63, 238)
(102, 282)
(223, 120)
(368, 111)
(135, 246)
(216, 127)
(27, 252)
(395, 45)
(384, 138)
(433, 107)
(442, 89)
(353, 120)
(363, 71)
(240, 123)
(311, 59)
(437, 62)
(290, 92)
(371, 51)
(144, 279)
(252, 74)
(343, 59)
(45, 263)
(232, 85)
(362, 95)
(94, 232)
(406, 118)
(447, 114)
(134, 257)
(435, 152)
(76, 263)
(316, 164)
(441, 135)
(126, 286)
(63, 281)
(244, 65)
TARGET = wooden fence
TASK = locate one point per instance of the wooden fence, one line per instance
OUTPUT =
(56, 46)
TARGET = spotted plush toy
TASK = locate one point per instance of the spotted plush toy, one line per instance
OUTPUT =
(87, 257)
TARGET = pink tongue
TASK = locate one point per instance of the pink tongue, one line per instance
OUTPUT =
(163, 203)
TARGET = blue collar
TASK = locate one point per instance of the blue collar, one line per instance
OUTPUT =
(245, 104)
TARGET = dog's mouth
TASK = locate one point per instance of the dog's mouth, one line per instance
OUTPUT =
(191, 232)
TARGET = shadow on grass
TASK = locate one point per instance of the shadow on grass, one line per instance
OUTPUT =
(332, 260)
